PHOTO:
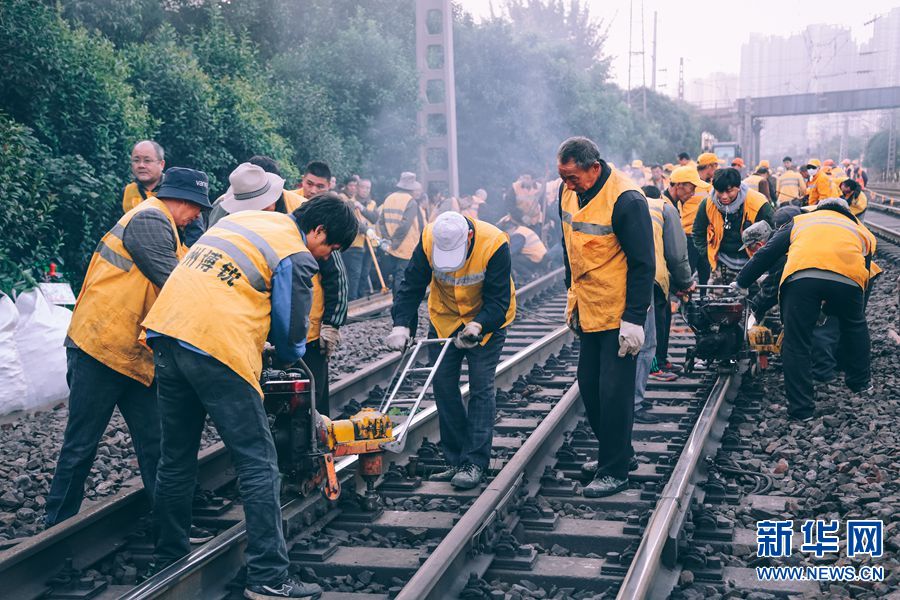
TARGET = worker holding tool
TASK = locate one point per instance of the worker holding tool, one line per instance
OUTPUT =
(249, 279)
(472, 300)
(610, 268)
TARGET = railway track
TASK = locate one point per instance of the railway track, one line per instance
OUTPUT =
(61, 558)
(883, 216)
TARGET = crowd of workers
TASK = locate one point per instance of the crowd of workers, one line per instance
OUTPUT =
(184, 295)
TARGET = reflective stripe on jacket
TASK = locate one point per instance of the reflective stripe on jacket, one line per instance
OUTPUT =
(114, 299)
(658, 220)
(715, 231)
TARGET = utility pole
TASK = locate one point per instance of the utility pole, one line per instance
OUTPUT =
(643, 63)
(681, 78)
(630, 50)
(891, 165)
(653, 58)
(436, 118)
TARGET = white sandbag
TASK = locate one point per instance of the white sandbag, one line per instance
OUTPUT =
(13, 386)
(40, 336)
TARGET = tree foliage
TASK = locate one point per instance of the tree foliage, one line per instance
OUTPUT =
(217, 81)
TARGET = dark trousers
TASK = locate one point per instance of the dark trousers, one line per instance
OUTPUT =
(353, 258)
(662, 311)
(825, 340)
(94, 392)
(191, 386)
(467, 433)
(801, 301)
(317, 362)
(693, 254)
(365, 268)
(525, 268)
(393, 268)
(606, 384)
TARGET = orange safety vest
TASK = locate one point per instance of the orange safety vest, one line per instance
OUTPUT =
(849, 243)
(218, 298)
(596, 260)
(822, 186)
(392, 213)
(114, 299)
(534, 249)
(658, 219)
(132, 196)
(455, 297)
(715, 231)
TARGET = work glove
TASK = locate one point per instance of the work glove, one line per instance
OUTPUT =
(397, 339)
(574, 323)
(631, 338)
(734, 288)
(751, 321)
(329, 339)
(373, 237)
(685, 294)
(468, 337)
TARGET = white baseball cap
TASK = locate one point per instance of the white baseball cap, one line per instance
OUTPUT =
(450, 236)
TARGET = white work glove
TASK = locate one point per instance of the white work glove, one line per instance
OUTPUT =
(751, 321)
(329, 339)
(734, 288)
(398, 338)
(631, 338)
(370, 233)
(468, 337)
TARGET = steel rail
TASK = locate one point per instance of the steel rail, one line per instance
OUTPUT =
(183, 578)
(675, 498)
(446, 564)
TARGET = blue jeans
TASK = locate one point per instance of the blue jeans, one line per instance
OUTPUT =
(365, 286)
(94, 392)
(467, 433)
(191, 386)
(394, 268)
(353, 258)
(645, 358)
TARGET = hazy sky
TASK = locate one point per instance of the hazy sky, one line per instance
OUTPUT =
(709, 37)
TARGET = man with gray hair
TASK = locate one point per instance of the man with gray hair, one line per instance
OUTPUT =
(610, 268)
(148, 160)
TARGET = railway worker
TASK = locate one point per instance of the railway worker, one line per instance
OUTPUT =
(368, 211)
(401, 223)
(658, 178)
(686, 190)
(636, 172)
(441, 202)
(738, 163)
(527, 251)
(316, 180)
(721, 218)
(791, 186)
(759, 180)
(353, 256)
(684, 160)
(148, 160)
(324, 340)
(820, 184)
(673, 272)
(754, 238)
(525, 195)
(249, 279)
(108, 365)
(610, 268)
(851, 191)
(831, 277)
(467, 264)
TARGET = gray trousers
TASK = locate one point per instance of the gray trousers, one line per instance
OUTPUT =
(645, 358)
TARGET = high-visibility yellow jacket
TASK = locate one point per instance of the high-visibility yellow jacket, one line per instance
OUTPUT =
(752, 181)
(392, 214)
(534, 249)
(658, 219)
(596, 259)
(715, 231)
(859, 205)
(848, 245)
(689, 212)
(822, 186)
(455, 297)
(293, 199)
(528, 201)
(114, 300)
(134, 195)
(791, 186)
(244, 249)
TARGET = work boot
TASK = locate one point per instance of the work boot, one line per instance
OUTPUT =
(288, 588)
(604, 485)
(590, 467)
(671, 368)
(644, 416)
(468, 477)
(445, 475)
(199, 535)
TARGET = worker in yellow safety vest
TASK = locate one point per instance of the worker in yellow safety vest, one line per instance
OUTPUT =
(526, 249)
(109, 365)
(401, 223)
(610, 268)
(721, 218)
(148, 161)
(791, 185)
(466, 262)
(526, 196)
(686, 191)
(856, 198)
(829, 267)
(250, 279)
